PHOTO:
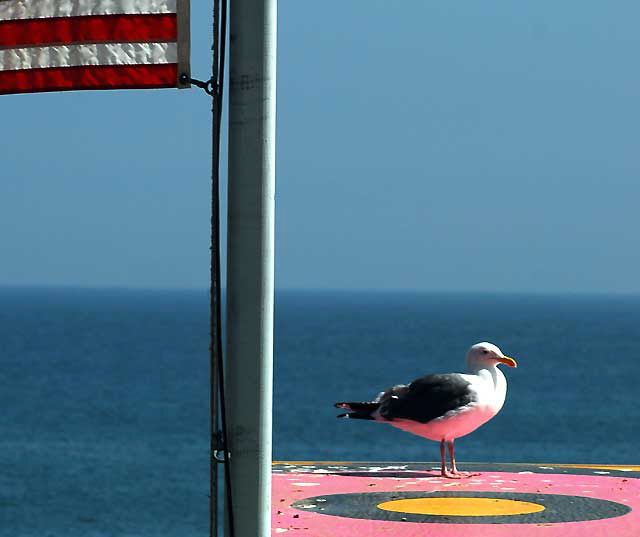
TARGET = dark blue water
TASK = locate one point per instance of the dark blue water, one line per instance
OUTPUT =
(104, 394)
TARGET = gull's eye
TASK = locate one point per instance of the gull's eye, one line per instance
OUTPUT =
(485, 351)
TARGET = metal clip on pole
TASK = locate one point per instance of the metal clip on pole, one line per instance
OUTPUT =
(207, 86)
(220, 448)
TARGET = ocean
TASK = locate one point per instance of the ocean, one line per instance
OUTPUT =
(104, 393)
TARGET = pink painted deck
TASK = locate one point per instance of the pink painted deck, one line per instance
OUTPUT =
(342, 499)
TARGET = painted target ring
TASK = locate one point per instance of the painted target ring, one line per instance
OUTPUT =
(445, 507)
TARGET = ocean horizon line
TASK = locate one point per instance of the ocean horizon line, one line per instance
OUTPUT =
(453, 293)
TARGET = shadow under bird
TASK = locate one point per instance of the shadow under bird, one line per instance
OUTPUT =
(443, 407)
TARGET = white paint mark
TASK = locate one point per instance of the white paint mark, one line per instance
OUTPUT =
(381, 468)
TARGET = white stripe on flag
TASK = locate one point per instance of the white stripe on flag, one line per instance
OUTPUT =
(43, 9)
(81, 55)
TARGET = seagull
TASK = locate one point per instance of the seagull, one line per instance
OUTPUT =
(443, 407)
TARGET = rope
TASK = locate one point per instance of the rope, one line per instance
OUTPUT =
(215, 88)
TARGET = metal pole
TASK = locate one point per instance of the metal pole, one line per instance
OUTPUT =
(250, 260)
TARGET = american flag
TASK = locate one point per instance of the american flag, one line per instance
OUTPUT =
(56, 45)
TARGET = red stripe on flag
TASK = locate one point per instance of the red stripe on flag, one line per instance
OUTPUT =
(94, 28)
(89, 77)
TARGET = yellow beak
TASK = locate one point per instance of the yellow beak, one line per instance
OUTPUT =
(508, 361)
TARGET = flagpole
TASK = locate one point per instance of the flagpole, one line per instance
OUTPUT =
(250, 260)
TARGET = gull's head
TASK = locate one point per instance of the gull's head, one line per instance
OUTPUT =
(487, 355)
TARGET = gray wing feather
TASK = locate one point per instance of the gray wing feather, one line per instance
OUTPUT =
(426, 398)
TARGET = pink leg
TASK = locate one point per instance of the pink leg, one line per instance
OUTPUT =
(443, 460)
(450, 474)
(454, 473)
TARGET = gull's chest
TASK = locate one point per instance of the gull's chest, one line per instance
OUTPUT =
(489, 390)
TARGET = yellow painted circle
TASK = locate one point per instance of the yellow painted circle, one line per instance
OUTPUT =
(461, 506)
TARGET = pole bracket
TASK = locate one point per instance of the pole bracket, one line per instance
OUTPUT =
(208, 86)
(219, 447)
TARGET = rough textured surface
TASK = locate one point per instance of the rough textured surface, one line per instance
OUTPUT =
(340, 499)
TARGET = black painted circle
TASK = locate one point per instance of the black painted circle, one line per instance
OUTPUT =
(558, 507)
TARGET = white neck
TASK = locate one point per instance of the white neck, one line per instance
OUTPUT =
(491, 373)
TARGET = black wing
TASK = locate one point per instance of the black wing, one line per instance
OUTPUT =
(425, 398)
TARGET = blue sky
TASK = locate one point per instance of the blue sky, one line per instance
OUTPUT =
(487, 146)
